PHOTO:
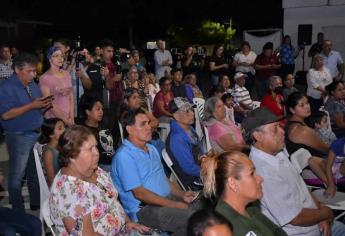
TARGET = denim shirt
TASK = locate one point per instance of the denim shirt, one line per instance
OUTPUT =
(13, 94)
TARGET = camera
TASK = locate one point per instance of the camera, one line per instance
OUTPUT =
(79, 58)
(201, 51)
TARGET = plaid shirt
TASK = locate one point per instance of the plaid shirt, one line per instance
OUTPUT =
(5, 70)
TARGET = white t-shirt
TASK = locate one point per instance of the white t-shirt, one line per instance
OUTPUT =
(250, 59)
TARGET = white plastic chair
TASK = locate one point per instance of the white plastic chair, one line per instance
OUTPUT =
(169, 163)
(256, 104)
(44, 190)
(164, 131)
(299, 160)
(149, 103)
(200, 103)
(198, 127)
(45, 210)
(207, 137)
(121, 131)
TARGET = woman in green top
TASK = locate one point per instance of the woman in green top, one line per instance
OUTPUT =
(231, 178)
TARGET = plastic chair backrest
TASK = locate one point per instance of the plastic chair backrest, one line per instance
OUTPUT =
(169, 163)
(164, 130)
(198, 127)
(121, 131)
(46, 215)
(44, 189)
(256, 104)
(300, 158)
(199, 102)
(208, 143)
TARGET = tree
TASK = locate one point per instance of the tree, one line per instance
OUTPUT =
(214, 32)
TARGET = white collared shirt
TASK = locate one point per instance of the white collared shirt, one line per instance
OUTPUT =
(332, 61)
(317, 78)
(284, 192)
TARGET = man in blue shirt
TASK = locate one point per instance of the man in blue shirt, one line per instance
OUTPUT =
(145, 192)
(20, 110)
(183, 144)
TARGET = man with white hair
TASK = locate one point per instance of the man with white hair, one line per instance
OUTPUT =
(332, 60)
(163, 60)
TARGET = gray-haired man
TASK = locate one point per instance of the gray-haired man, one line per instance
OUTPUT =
(286, 201)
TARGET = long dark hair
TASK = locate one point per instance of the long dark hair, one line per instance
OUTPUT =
(47, 129)
(86, 103)
(292, 100)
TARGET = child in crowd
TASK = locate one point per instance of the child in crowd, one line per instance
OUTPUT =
(228, 104)
(151, 87)
(208, 223)
(335, 165)
(289, 88)
(51, 131)
(319, 121)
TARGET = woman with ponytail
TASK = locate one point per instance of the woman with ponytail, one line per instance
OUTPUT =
(230, 177)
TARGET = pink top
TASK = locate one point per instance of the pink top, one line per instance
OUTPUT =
(61, 88)
(219, 129)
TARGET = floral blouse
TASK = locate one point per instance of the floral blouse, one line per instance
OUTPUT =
(73, 197)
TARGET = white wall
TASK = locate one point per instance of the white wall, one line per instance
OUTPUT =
(322, 17)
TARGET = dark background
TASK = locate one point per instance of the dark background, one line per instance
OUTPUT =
(38, 20)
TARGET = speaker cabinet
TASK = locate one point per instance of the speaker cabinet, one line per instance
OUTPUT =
(305, 33)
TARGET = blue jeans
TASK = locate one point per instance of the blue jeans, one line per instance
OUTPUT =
(19, 145)
(12, 222)
(338, 229)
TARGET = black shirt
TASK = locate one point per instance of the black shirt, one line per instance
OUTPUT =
(178, 90)
(94, 73)
(105, 144)
(219, 61)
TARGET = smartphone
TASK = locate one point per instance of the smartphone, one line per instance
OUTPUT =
(48, 97)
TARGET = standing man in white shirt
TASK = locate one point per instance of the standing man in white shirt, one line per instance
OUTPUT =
(332, 60)
(163, 60)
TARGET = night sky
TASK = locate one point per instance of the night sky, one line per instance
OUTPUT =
(94, 20)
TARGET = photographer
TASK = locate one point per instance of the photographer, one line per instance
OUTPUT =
(113, 79)
(80, 79)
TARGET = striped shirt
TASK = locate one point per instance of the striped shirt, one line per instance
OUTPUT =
(242, 95)
(5, 70)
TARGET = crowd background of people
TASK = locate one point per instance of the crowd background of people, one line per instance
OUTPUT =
(101, 115)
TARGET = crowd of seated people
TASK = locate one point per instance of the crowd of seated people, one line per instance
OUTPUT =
(104, 184)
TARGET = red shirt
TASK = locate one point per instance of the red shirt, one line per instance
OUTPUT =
(272, 105)
(166, 98)
(262, 60)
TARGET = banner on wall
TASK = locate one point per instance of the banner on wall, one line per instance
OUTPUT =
(257, 42)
